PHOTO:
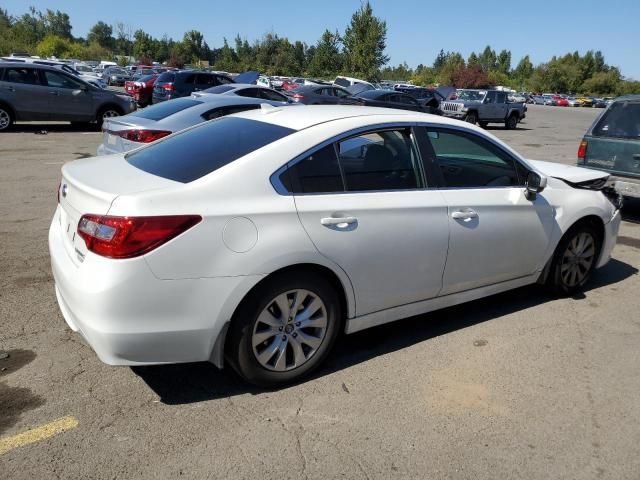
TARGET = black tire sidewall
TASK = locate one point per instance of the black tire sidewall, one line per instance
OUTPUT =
(11, 119)
(471, 116)
(509, 124)
(240, 350)
(555, 278)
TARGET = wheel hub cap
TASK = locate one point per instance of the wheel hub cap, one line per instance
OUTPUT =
(290, 330)
(578, 259)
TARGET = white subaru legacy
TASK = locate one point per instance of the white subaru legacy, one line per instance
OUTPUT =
(256, 239)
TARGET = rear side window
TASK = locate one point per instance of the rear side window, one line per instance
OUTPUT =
(621, 120)
(219, 89)
(317, 173)
(166, 77)
(224, 111)
(22, 75)
(343, 82)
(201, 150)
(164, 109)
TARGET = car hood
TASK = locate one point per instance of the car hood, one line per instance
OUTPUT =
(250, 77)
(567, 172)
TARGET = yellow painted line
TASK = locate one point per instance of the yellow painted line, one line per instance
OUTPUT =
(37, 434)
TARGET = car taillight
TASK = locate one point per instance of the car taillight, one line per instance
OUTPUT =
(142, 136)
(297, 96)
(582, 151)
(168, 87)
(128, 237)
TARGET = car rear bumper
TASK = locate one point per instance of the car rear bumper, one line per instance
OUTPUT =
(130, 317)
(627, 187)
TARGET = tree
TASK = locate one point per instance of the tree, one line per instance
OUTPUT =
(327, 58)
(141, 44)
(57, 23)
(523, 71)
(503, 62)
(470, 76)
(364, 43)
(194, 46)
(102, 34)
(603, 83)
(473, 59)
(487, 59)
(56, 46)
(124, 44)
(440, 60)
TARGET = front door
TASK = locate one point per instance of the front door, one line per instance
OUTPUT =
(22, 87)
(364, 203)
(69, 98)
(496, 233)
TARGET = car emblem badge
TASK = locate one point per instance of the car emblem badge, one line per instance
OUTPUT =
(64, 190)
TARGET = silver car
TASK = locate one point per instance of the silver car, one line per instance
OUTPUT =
(33, 92)
(157, 121)
(245, 90)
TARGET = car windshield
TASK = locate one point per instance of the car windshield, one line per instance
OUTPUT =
(220, 89)
(199, 151)
(473, 95)
(83, 68)
(164, 109)
(117, 71)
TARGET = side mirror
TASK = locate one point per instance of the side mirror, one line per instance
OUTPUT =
(535, 184)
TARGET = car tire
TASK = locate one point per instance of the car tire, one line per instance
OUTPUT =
(483, 124)
(107, 112)
(574, 259)
(512, 122)
(266, 354)
(6, 118)
(471, 117)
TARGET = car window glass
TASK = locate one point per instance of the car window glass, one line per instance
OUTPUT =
(166, 77)
(317, 173)
(189, 79)
(501, 97)
(165, 109)
(220, 89)
(224, 111)
(222, 80)
(340, 93)
(60, 80)
(271, 95)
(205, 81)
(383, 160)
(248, 92)
(621, 120)
(211, 146)
(343, 82)
(491, 97)
(22, 75)
(466, 161)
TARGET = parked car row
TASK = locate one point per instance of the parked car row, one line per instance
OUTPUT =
(569, 101)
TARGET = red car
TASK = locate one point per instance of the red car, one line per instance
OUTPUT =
(560, 101)
(141, 89)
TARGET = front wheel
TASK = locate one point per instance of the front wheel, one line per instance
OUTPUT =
(284, 329)
(472, 117)
(107, 112)
(6, 119)
(511, 123)
(574, 260)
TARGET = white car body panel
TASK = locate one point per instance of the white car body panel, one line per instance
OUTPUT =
(405, 256)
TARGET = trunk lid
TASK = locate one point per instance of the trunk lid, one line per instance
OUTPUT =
(112, 142)
(90, 186)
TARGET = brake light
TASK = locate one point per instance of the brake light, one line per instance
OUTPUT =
(582, 151)
(168, 87)
(128, 237)
(297, 96)
(142, 136)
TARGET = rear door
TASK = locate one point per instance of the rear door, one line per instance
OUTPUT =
(501, 106)
(365, 205)
(204, 81)
(614, 141)
(489, 111)
(22, 88)
(496, 233)
(69, 98)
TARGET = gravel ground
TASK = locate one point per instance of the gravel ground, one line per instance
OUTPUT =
(518, 385)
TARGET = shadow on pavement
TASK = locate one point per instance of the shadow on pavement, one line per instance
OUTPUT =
(196, 382)
(631, 210)
(37, 128)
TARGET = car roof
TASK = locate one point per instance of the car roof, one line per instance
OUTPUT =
(305, 116)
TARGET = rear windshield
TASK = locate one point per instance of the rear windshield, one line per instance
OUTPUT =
(343, 82)
(220, 89)
(621, 120)
(166, 77)
(164, 109)
(146, 78)
(201, 150)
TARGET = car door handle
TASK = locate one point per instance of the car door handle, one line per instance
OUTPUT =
(464, 215)
(340, 222)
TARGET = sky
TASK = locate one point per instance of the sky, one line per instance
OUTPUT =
(416, 30)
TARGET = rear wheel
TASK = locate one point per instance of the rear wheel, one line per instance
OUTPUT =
(574, 259)
(512, 122)
(472, 117)
(6, 118)
(284, 329)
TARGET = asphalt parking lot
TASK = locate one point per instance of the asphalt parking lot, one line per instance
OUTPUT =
(519, 385)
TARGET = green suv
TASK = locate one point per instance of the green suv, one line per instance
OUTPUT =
(612, 144)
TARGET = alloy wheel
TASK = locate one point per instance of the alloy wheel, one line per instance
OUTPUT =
(289, 330)
(5, 119)
(578, 259)
(110, 114)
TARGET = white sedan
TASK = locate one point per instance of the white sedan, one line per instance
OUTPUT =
(257, 238)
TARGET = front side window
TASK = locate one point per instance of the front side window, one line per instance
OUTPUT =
(196, 152)
(621, 120)
(317, 173)
(467, 161)
(381, 160)
(28, 76)
(60, 80)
